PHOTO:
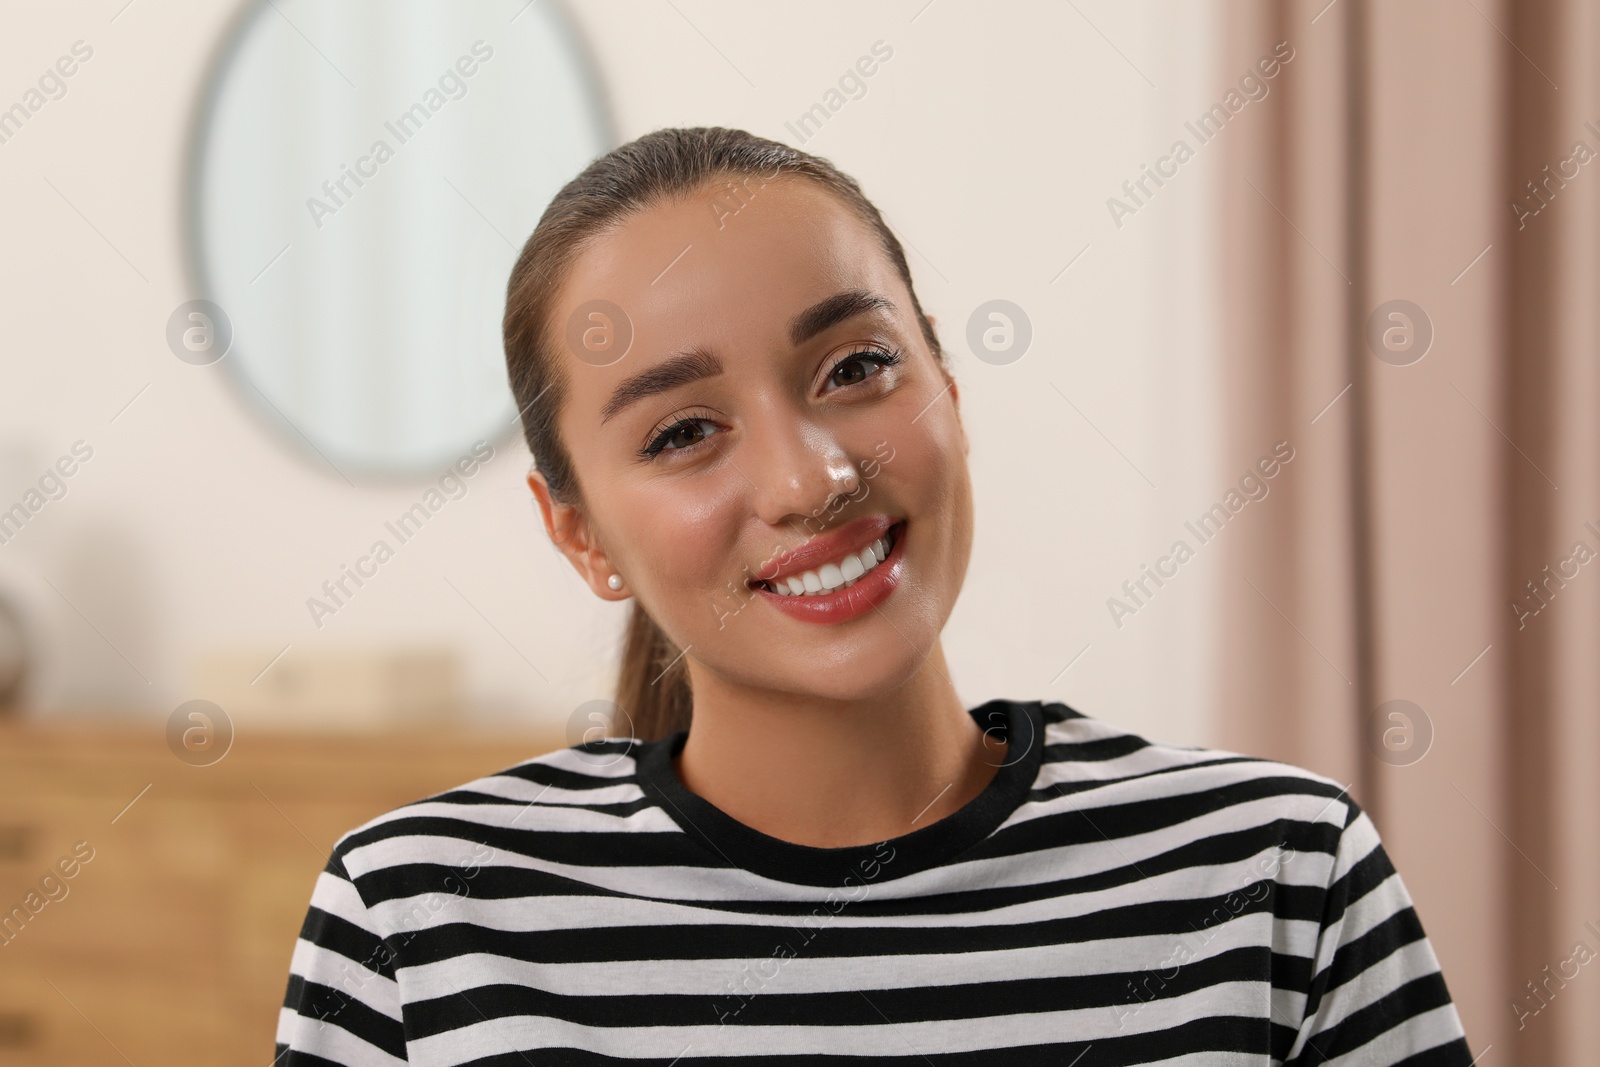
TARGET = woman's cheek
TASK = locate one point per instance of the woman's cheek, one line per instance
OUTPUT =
(690, 546)
(929, 479)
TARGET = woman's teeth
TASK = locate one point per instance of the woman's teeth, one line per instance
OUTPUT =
(840, 574)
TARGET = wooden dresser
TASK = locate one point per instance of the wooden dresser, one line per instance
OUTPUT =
(171, 944)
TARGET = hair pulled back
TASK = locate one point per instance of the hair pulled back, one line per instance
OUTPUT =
(653, 684)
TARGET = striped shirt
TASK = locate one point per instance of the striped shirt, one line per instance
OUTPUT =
(1104, 900)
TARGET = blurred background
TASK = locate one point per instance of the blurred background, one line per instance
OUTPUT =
(1309, 288)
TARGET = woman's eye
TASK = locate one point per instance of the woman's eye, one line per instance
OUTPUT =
(679, 436)
(859, 366)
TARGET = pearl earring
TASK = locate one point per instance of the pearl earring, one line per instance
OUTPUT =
(615, 581)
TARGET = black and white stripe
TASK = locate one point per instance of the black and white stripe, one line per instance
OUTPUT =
(1105, 900)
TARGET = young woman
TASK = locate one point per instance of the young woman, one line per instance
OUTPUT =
(797, 844)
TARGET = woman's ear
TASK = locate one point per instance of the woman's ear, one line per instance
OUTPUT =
(569, 532)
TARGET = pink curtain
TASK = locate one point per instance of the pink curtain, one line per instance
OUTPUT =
(1410, 270)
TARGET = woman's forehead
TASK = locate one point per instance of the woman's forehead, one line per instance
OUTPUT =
(787, 244)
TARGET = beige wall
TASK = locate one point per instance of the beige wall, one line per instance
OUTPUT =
(991, 139)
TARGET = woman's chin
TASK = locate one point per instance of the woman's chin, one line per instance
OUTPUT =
(870, 669)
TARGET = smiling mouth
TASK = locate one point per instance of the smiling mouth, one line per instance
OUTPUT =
(836, 574)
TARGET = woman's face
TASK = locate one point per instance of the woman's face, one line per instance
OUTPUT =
(756, 411)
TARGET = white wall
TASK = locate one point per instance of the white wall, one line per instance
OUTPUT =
(991, 140)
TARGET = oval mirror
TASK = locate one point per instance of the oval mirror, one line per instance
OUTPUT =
(363, 175)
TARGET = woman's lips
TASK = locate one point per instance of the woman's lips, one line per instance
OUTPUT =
(832, 547)
(853, 601)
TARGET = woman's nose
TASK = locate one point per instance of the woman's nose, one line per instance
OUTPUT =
(796, 469)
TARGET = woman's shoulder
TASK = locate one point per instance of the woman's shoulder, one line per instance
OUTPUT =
(1116, 798)
(587, 786)
(1098, 762)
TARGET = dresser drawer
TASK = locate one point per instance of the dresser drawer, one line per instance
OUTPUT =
(71, 1015)
(172, 942)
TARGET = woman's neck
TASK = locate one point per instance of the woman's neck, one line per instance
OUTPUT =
(831, 774)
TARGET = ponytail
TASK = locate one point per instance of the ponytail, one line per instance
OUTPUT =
(653, 686)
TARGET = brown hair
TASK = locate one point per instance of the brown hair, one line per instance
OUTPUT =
(653, 685)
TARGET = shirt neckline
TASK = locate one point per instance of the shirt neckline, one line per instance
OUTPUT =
(937, 843)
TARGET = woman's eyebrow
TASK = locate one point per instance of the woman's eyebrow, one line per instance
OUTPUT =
(835, 309)
(696, 364)
(689, 367)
